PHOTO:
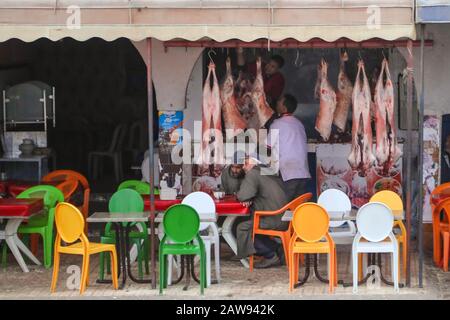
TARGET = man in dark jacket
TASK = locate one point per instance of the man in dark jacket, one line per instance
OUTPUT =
(263, 193)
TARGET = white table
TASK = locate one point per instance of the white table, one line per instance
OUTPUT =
(13, 241)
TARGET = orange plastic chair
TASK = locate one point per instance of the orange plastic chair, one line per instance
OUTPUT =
(437, 223)
(70, 225)
(310, 224)
(73, 175)
(444, 231)
(285, 236)
(68, 188)
(395, 203)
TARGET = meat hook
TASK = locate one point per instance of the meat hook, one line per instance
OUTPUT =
(209, 54)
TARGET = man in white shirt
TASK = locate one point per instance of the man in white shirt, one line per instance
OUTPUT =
(289, 150)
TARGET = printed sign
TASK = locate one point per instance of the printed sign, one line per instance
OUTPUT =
(334, 172)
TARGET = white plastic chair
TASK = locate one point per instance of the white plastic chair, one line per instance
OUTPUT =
(206, 208)
(114, 152)
(334, 200)
(375, 222)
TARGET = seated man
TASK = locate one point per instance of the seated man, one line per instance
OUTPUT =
(232, 175)
(263, 193)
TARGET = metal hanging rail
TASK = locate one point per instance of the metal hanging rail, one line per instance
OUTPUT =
(314, 43)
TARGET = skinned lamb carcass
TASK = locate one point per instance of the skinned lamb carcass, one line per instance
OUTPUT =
(361, 157)
(387, 151)
(327, 107)
(343, 96)
(233, 120)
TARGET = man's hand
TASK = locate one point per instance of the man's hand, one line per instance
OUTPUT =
(246, 203)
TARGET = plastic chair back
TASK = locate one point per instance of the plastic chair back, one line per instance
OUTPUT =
(181, 223)
(67, 175)
(118, 138)
(203, 204)
(335, 200)
(374, 221)
(50, 195)
(310, 222)
(140, 186)
(126, 200)
(389, 198)
(68, 188)
(69, 222)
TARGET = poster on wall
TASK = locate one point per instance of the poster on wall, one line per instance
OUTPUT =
(431, 154)
(334, 172)
(170, 135)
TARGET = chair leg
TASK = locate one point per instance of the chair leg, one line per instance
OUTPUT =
(208, 262)
(291, 272)
(161, 271)
(55, 271)
(250, 263)
(115, 279)
(217, 257)
(285, 242)
(446, 248)
(84, 273)
(395, 268)
(202, 272)
(330, 271)
(437, 254)
(48, 245)
(146, 249)
(355, 270)
(101, 270)
(4, 254)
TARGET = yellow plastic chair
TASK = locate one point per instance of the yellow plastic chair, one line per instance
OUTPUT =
(70, 228)
(393, 201)
(310, 224)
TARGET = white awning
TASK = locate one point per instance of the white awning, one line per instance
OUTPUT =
(218, 20)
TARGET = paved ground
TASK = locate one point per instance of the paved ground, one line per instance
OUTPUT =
(237, 283)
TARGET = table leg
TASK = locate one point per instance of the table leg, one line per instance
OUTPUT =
(370, 261)
(383, 279)
(121, 265)
(14, 244)
(227, 234)
(307, 272)
(127, 246)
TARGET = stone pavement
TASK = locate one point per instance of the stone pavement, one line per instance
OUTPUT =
(237, 283)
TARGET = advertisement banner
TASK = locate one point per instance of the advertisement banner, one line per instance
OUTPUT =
(334, 172)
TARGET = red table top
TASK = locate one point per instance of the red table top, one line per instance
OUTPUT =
(11, 207)
(227, 205)
(15, 187)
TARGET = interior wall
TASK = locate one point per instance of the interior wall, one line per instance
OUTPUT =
(99, 84)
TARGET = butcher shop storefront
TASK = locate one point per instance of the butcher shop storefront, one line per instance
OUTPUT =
(348, 65)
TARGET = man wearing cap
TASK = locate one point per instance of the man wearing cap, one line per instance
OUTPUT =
(232, 175)
(289, 150)
(263, 193)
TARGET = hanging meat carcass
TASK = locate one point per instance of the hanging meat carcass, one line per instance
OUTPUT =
(233, 120)
(211, 124)
(263, 110)
(318, 81)
(327, 107)
(343, 96)
(387, 151)
(361, 157)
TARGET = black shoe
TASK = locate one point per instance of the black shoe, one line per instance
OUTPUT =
(267, 263)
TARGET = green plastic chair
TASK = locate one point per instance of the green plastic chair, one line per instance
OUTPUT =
(127, 200)
(140, 186)
(181, 227)
(43, 224)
